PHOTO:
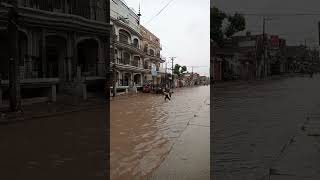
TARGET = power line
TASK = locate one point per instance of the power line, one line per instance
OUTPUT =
(160, 11)
(276, 14)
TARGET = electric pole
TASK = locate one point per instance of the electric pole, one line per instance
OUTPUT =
(263, 45)
(166, 81)
(172, 77)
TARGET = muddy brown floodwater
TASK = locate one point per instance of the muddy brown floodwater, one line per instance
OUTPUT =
(144, 128)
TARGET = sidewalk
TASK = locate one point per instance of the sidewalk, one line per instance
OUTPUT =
(300, 161)
(189, 157)
(64, 104)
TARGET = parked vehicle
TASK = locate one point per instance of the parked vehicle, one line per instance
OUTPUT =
(146, 88)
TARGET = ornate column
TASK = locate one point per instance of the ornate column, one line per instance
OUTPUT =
(44, 55)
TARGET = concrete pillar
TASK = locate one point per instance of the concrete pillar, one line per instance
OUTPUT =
(78, 73)
(29, 67)
(141, 79)
(44, 55)
(69, 68)
(84, 91)
(53, 93)
(119, 78)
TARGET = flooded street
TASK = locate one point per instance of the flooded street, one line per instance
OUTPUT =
(145, 128)
(254, 121)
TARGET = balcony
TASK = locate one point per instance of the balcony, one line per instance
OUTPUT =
(146, 66)
(124, 43)
(135, 63)
(85, 8)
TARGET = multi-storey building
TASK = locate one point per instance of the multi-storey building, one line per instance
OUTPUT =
(126, 46)
(152, 47)
(61, 42)
(133, 50)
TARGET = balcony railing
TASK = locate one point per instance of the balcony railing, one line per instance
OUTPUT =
(135, 63)
(75, 7)
(125, 41)
(126, 61)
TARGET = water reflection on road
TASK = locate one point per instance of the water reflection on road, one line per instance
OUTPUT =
(253, 121)
(145, 126)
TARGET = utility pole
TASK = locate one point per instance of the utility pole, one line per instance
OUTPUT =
(172, 76)
(263, 45)
(14, 80)
(166, 81)
(266, 68)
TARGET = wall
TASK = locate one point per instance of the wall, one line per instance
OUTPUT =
(119, 9)
(150, 39)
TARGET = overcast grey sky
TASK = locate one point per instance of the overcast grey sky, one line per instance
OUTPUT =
(183, 28)
(296, 29)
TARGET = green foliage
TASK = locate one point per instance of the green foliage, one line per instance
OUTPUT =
(236, 23)
(216, 20)
(178, 69)
(183, 69)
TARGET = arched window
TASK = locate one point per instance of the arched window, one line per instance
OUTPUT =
(124, 36)
(145, 48)
(126, 57)
(136, 61)
(136, 43)
(151, 52)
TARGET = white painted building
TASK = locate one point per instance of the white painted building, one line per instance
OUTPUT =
(133, 54)
(126, 46)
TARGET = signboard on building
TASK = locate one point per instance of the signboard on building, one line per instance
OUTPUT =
(153, 70)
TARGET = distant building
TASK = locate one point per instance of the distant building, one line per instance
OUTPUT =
(276, 54)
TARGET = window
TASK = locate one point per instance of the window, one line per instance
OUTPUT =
(126, 57)
(136, 43)
(145, 48)
(124, 36)
(151, 52)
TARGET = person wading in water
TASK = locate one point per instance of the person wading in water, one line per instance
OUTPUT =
(166, 95)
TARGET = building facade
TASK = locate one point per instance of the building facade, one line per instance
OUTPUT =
(152, 48)
(65, 42)
(126, 46)
(135, 50)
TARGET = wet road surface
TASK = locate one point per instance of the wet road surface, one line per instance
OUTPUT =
(254, 121)
(145, 129)
(68, 146)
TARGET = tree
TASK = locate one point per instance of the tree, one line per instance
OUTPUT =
(178, 69)
(183, 69)
(236, 23)
(216, 20)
